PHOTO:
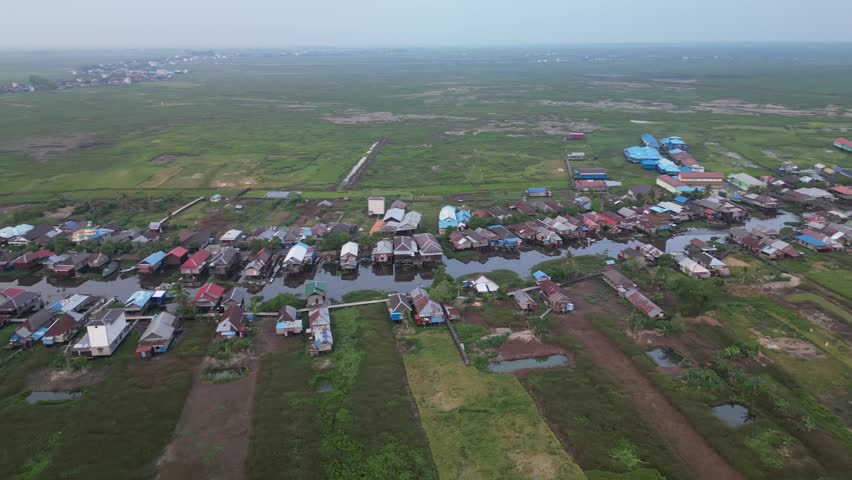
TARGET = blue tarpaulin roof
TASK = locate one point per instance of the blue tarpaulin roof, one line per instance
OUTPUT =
(536, 190)
(681, 199)
(539, 275)
(650, 141)
(637, 154)
(811, 241)
(155, 258)
(140, 298)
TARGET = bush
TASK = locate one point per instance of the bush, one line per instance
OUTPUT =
(625, 454)
(225, 348)
(771, 446)
(494, 341)
(470, 332)
(275, 303)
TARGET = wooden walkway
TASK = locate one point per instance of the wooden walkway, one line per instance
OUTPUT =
(344, 305)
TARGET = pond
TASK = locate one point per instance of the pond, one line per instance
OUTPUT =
(732, 414)
(36, 397)
(772, 223)
(666, 357)
(325, 388)
(510, 366)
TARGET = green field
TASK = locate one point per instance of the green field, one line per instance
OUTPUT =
(362, 427)
(480, 425)
(452, 127)
(117, 429)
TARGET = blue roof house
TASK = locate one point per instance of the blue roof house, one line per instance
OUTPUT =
(638, 154)
(674, 143)
(138, 302)
(667, 166)
(447, 218)
(650, 141)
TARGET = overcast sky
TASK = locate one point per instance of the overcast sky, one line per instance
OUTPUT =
(355, 23)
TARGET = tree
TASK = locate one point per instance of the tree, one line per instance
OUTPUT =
(540, 326)
(41, 83)
(334, 241)
(596, 205)
(185, 309)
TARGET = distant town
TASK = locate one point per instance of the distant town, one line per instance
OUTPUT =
(127, 72)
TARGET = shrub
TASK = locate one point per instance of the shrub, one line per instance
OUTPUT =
(625, 453)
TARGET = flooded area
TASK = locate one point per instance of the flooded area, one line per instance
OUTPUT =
(666, 357)
(733, 414)
(510, 366)
(389, 278)
(36, 397)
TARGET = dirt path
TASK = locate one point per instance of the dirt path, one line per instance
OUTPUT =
(212, 436)
(652, 404)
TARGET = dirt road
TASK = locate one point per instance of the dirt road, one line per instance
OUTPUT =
(650, 402)
(212, 436)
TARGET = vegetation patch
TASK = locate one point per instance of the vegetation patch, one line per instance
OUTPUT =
(480, 425)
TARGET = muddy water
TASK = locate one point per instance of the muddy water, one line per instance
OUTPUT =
(733, 414)
(36, 397)
(510, 366)
(665, 357)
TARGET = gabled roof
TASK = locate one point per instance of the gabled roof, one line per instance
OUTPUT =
(178, 252)
(139, 298)
(349, 248)
(161, 327)
(398, 303)
(209, 293)
(155, 258)
(383, 247)
(107, 317)
(315, 288)
(197, 260)
(233, 320)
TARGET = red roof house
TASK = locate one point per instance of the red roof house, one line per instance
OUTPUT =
(209, 296)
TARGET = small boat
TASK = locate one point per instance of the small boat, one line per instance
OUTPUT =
(128, 270)
(109, 269)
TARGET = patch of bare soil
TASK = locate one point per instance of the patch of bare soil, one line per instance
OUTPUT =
(525, 345)
(212, 436)
(51, 380)
(690, 345)
(708, 320)
(61, 213)
(739, 107)
(166, 158)
(50, 147)
(791, 346)
(732, 261)
(791, 281)
(628, 105)
(354, 118)
(839, 329)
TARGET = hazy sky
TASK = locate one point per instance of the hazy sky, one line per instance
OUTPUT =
(281, 23)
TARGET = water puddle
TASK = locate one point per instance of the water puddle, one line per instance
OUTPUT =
(325, 388)
(733, 414)
(37, 397)
(510, 366)
(666, 357)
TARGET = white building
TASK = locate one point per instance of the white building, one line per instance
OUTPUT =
(103, 334)
(375, 206)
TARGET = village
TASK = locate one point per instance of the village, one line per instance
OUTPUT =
(207, 263)
(500, 279)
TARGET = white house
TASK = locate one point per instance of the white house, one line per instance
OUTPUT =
(103, 334)
(375, 206)
(483, 284)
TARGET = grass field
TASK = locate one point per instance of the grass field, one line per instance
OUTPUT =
(362, 427)
(596, 417)
(480, 425)
(476, 125)
(117, 429)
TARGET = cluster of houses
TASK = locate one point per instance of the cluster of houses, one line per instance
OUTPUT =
(120, 73)
(628, 290)
(418, 249)
(553, 295)
(397, 219)
(420, 307)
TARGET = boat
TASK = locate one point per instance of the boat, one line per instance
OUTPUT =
(128, 270)
(109, 269)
